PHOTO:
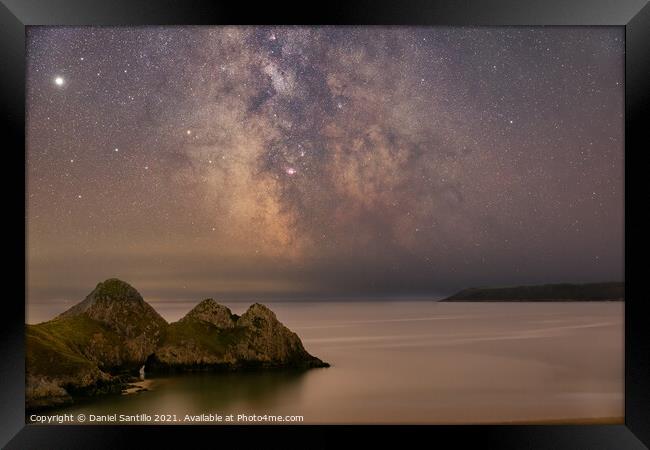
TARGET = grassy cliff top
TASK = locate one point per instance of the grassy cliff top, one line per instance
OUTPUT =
(54, 347)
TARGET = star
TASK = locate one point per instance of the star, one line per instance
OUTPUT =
(425, 159)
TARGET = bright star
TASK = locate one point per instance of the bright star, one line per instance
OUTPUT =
(59, 81)
(291, 171)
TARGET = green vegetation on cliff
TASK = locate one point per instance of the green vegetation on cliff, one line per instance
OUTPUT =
(202, 336)
(53, 346)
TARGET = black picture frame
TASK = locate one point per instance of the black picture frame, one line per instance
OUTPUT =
(15, 15)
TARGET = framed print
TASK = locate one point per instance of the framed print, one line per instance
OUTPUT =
(402, 221)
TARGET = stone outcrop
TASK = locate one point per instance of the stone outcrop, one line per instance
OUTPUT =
(135, 324)
(98, 345)
(210, 337)
(211, 312)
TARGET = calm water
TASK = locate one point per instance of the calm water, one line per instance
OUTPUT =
(418, 362)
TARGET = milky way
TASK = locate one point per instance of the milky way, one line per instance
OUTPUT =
(249, 162)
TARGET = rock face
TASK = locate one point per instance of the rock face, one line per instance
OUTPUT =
(96, 346)
(210, 337)
(211, 312)
(122, 309)
(268, 342)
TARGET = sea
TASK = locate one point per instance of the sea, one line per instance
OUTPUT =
(395, 362)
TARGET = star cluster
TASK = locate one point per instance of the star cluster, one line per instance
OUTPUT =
(322, 161)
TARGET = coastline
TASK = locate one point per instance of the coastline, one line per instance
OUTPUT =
(137, 387)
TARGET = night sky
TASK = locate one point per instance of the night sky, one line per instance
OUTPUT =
(248, 162)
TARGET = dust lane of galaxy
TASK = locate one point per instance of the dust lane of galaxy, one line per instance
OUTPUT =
(254, 162)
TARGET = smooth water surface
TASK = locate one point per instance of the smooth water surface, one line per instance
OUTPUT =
(418, 362)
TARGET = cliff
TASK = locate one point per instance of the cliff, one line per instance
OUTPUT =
(98, 345)
(210, 337)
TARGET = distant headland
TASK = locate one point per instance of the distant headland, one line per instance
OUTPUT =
(610, 291)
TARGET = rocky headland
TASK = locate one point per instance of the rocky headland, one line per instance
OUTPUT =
(99, 345)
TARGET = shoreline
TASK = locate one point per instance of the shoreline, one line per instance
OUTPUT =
(137, 387)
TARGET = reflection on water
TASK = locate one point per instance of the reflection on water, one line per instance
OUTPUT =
(200, 393)
(418, 362)
(251, 392)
